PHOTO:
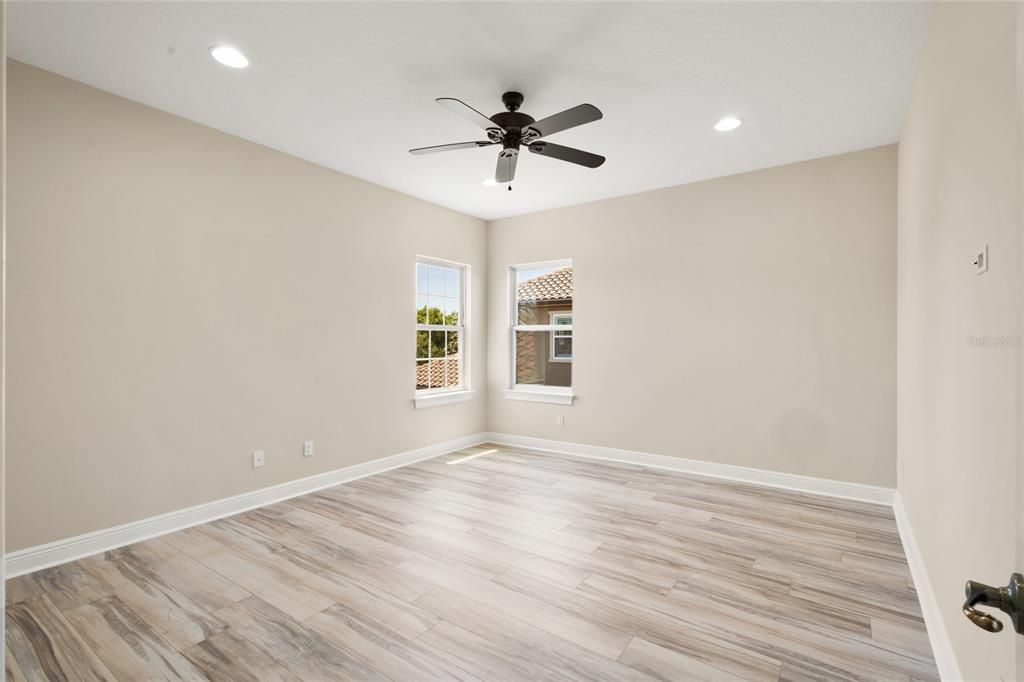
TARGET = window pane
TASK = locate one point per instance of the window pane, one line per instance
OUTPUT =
(453, 343)
(421, 309)
(437, 344)
(421, 278)
(541, 292)
(562, 349)
(437, 373)
(451, 282)
(422, 344)
(451, 373)
(435, 310)
(436, 284)
(451, 311)
(535, 366)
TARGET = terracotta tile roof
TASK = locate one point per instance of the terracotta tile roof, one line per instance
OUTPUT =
(438, 372)
(551, 286)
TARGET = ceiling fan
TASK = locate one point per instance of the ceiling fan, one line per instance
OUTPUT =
(513, 128)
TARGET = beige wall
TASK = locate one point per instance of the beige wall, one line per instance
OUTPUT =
(180, 297)
(1020, 311)
(761, 323)
(3, 335)
(957, 403)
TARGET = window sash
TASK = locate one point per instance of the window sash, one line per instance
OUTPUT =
(462, 385)
(461, 355)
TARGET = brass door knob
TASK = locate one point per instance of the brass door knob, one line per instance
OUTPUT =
(1007, 599)
(982, 619)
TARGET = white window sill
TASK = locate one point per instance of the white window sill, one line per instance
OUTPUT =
(436, 399)
(538, 395)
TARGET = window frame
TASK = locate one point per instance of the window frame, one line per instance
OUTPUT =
(559, 395)
(427, 397)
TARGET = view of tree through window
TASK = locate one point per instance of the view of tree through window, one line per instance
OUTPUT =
(542, 324)
(440, 302)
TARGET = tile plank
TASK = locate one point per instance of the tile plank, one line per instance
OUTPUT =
(129, 648)
(45, 646)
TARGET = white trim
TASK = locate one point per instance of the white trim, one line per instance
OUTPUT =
(462, 329)
(534, 395)
(541, 328)
(438, 328)
(512, 300)
(424, 400)
(70, 549)
(53, 553)
(541, 264)
(938, 635)
(772, 479)
(443, 262)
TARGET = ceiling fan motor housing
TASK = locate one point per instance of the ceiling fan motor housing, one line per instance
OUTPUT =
(515, 124)
(512, 100)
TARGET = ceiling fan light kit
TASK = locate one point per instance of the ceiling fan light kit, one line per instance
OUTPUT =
(513, 129)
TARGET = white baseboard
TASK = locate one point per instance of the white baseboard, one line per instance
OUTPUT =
(61, 551)
(774, 479)
(938, 636)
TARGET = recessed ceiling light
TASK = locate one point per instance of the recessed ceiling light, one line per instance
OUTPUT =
(229, 56)
(728, 123)
(490, 182)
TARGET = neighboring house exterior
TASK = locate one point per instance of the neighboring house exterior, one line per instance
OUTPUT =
(543, 358)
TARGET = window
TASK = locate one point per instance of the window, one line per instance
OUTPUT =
(561, 339)
(542, 332)
(440, 328)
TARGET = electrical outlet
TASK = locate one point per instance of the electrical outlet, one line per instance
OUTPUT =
(981, 260)
(307, 448)
(257, 459)
(560, 420)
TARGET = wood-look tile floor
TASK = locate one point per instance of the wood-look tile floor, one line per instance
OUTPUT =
(505, 566)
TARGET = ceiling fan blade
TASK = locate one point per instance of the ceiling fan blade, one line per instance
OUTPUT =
(450, 147)
(457, 106)
(557, 151)
(570, 118)
(506, 169)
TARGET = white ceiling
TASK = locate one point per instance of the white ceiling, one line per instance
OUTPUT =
(351, 86)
